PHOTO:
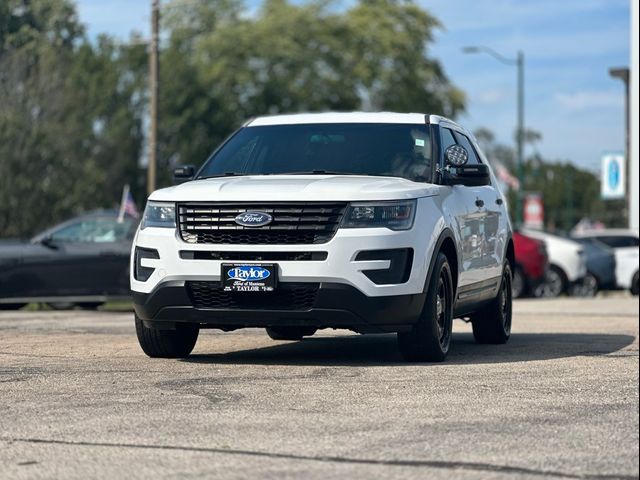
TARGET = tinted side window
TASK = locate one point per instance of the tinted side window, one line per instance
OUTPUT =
(619, 241)
(93, 230)
(464, 141)
(446, 138)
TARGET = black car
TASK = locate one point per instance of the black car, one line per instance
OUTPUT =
(84, 261)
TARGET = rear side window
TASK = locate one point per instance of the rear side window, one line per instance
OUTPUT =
(619, 241)
(94, 230)
(464, 141)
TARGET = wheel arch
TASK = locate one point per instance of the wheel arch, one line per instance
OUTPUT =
(511, 254)
(446, 245)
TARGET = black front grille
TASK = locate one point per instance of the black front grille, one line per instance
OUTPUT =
(253, 256)
(287, 296)
(293, 223)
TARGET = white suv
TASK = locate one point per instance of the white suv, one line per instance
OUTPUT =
(374, 222)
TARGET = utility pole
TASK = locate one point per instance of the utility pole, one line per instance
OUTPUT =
(153, 97)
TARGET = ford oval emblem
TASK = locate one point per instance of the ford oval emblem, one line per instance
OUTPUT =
(249, 273)
(253, 219)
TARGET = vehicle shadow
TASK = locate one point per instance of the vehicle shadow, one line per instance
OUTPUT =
(382, 350)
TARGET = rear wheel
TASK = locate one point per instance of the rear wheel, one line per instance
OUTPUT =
(634, 285)
(519, 283)
(430, 337)
(90, 305)
(290, 333)
(177, 343)
(492, 324)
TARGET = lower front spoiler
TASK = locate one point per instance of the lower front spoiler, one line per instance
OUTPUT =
(335, 306)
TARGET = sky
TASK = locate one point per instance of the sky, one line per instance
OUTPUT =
(569, 45)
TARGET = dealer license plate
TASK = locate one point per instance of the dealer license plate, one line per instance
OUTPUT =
(245, 277)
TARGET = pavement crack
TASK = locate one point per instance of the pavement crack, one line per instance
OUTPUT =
(439, 464)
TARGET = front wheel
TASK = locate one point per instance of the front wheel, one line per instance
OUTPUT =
(492, 324)
(430, 337)
(634, 285)
(177, 343)
(11, 306)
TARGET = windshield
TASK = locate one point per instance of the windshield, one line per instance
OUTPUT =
(396, 150)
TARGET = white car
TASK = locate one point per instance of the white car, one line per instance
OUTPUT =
(567, 263)
(374, 222)
(625, 244)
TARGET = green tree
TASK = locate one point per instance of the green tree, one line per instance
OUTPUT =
(70, 116)
(291, 58)
(72, 110)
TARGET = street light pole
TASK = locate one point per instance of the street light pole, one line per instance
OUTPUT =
(519, 63)
(153, 98)
(520, 137)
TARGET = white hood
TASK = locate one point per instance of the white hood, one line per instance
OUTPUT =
(296, 188)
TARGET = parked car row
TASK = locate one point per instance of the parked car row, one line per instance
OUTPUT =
(84, 262)
(582, 265)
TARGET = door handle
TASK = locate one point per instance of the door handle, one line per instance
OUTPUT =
(479, 203)
(499, 201)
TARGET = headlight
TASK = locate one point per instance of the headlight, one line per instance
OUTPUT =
(392, 215)
(159, 214)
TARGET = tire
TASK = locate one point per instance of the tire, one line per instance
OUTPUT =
(634, 285)
(430, 338)
(555, 283)
(518, 283)
(89, 305)
(588, 287)
(61, 305)
(176, 343)
(290, 333)
(492, 324)
(11, 306)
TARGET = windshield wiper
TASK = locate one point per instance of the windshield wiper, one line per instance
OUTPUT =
(319, 172)
(225, 174)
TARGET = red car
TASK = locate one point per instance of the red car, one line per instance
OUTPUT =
(531, 264)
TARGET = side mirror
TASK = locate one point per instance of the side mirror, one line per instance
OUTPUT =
(183, 173)
(49, 242)
(467, 175)
(456, 155)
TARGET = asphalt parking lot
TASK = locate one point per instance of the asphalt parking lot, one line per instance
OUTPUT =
(78, 399)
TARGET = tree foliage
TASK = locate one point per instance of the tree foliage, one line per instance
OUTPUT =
(70, 132)
(73, 108)
(291, 58)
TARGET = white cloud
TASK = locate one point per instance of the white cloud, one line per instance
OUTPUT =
(584, 100)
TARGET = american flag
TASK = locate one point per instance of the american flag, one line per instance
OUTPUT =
(127, 205)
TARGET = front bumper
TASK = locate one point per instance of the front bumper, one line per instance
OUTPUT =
(334, 306)
(340, 264)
